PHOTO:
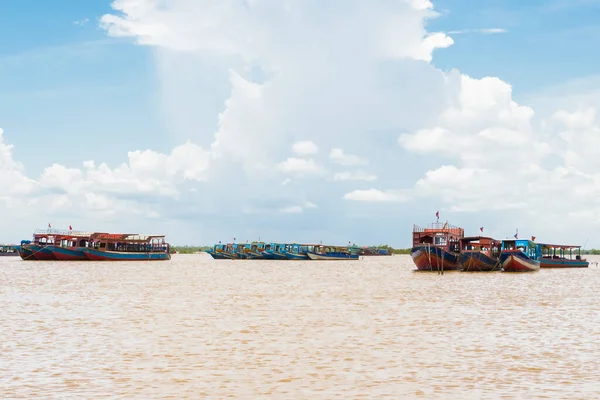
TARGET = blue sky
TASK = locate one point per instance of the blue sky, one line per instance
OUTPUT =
(547, 41)
(70, 92)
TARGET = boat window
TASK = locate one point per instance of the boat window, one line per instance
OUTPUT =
(440, 240)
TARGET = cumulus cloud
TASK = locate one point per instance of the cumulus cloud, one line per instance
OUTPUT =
(300, 79)
(484, 31)
(305, 148)
(354, 176)
(338, 156)
(299, 166)
(375, 195)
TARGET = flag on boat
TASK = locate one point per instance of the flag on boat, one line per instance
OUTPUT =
(481, 229)
(517, 235)
(49, 226)
(533, 238)
(437, 214)
(70, 228)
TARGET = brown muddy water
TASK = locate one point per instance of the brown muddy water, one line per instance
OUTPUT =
(199, 328)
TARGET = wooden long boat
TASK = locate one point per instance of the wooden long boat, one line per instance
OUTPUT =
(218, 252)
(275, 251)
(338, 253)
(127, 247)
(480, 254)
(298, 251)
(68, 246)
(9, 250)
(38, 249)
(520, 255)
(372, 251)
(436, 247)
(561, 256)
(254, 250)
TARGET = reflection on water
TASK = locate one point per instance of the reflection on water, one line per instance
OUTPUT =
(370, 329)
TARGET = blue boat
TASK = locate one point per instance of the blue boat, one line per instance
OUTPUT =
(520, 255)
(297, 251)
(126, 247)
(332, 253)
(8, 250)
(218, 252)
(561, 256)
(254, 250)
(274, 251)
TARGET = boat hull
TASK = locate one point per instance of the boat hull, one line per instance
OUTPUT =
(219, 255)
(253, 255)
(273, 255)
(516, 261)
(475, 261)
(561, 263)
(434, 259)
(34, 252)
(296, 256)
(331, 256)
(98, 255)
(68, 254)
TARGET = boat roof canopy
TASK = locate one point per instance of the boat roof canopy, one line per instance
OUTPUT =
(472, 238)
(136, 237)
(560, 246)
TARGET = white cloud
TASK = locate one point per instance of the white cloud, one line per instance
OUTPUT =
(375, 195)
(338, 156)
(484, 31)
(299, 166)
(354, 176)
(291, 210)
(305, 148)
(13, 181)
(284, 73)
(81, 22)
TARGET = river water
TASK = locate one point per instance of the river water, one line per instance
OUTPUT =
(199, 328)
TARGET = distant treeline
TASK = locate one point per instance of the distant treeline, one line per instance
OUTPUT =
(593, 252)
(200, 249)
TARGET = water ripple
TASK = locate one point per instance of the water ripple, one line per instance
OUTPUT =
(199, 328)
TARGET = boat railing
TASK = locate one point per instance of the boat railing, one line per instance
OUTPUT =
(442, 227)
(64, 232)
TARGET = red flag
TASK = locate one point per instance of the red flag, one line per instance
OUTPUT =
(481, 229)
(437, 214)
(533, 238)
(49, 226)
(70, 228)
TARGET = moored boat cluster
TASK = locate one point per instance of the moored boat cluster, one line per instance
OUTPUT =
(291, 251)
(68, 245)
(444, 247)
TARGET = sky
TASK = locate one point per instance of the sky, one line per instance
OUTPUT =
(301, 120)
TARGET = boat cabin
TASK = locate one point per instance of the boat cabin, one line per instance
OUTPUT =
(8, 250)
(438, 234)
(530, 248)
(560, 251)
(483, 244)
(129, 243)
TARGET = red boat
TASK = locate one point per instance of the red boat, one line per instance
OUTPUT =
(480, 254)
(38, 248)
(520, 255)
(436, 247)
(126, 247)
(67, 246)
